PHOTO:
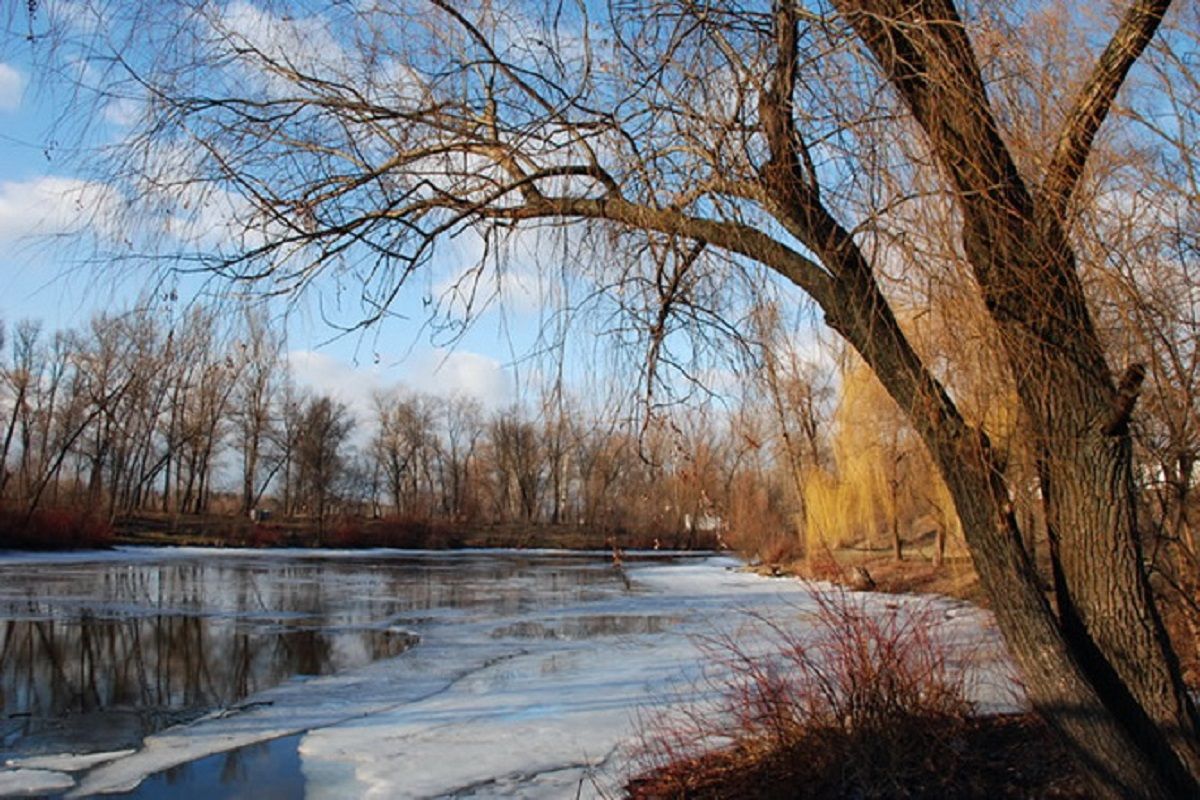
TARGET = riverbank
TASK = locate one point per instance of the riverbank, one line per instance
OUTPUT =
(1013, 756)
(863, 569)
(869, 706)
(222, 531)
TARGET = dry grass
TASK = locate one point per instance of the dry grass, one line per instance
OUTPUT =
(956, 576)
(860, 705)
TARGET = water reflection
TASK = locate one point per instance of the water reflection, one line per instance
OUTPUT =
(140, 674)
(96, 655)
(263, 771)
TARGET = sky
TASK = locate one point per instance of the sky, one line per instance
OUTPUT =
(505, 355)
(42, 277)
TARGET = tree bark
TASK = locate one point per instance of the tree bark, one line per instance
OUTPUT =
(1017, 247)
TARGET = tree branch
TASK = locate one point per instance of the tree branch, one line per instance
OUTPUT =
(1092, 104)
(728, 235)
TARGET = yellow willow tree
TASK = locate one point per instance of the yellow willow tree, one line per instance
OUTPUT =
(881, 479)
(356, 139)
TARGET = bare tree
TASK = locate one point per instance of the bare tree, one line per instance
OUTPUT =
(321, 454)
(518, 459)
(20, 377)
(462, 428)
(783, 136)
(260, 354)
(404, 446)
(797, 393)
(605, 457)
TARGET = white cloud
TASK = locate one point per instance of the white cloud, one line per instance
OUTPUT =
(264, 42)
(448, 373)
(436, 372)
(528, 278)
(50, 206)
(324, 374)
(12, 87)
(518, 287)
(124, 111)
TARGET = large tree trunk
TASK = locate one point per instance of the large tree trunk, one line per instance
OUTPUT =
(1104, 601)
(1118, 745)
(1102, 670)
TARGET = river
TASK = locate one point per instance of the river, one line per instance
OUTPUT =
(221, 673)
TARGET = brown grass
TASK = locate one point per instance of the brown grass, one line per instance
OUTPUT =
(956, 577)
(216, 530)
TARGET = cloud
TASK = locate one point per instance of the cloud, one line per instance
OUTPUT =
(454, 372)
(436, 372)
(53, 206)
(267, 45)
(192, 216)
(523, 271)
(12, 87)
(124, 111)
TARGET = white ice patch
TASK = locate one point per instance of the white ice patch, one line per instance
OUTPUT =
(33, 782)
(68, 762)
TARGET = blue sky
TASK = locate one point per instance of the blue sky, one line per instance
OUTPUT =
(43, 279)
(42, 276)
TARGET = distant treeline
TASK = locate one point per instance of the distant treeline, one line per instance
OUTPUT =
(201, 415)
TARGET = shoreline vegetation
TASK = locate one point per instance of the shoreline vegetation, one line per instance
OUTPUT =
(59, 529)
(868, 706)
(393, 531)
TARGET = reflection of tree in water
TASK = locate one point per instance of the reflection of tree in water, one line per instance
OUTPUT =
(233, 766)
(141, 646)
(53, 664)
(308, 650)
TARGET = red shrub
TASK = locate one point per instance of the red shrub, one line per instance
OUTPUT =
(53, 529)
(401, 532)
(857, 703)
(265, 535)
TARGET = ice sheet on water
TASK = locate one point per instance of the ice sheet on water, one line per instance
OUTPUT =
(480, 710)
(33, 782)
(297, 706)
(553, 721)
(68, 762)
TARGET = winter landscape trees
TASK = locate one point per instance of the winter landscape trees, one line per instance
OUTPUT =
(890, 160)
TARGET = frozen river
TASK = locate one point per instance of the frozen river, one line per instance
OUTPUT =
(221, 673)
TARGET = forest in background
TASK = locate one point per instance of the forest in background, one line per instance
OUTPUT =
(130, 415)
(166, 418)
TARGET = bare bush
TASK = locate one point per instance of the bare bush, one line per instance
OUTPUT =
(855, 703)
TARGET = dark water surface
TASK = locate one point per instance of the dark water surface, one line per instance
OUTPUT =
(94, 655)
(265, 771)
